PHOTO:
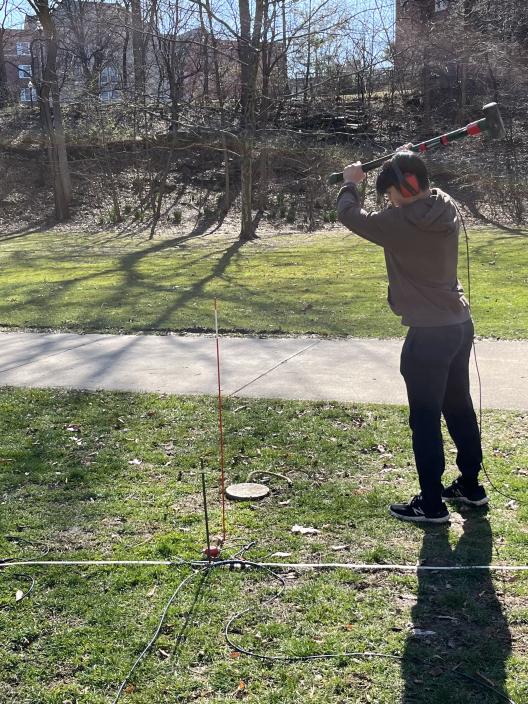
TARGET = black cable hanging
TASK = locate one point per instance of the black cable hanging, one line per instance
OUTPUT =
(484, 468)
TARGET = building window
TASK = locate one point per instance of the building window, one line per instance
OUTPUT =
(441, 5)
(109, 96)
(22, 49)
(108, 75)
(24, 71)
(28, 95)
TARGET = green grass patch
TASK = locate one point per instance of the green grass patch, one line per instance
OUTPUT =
(108, 475)
(328, 284)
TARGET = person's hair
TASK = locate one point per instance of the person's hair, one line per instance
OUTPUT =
(408, 163)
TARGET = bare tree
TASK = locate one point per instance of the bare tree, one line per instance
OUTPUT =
(4, 90)
(8, 11)
(178, 50)
(50, 107)
(263, 43)
(138, 49)
(91, 39)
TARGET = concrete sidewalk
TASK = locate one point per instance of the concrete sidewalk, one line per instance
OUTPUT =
(363, 370)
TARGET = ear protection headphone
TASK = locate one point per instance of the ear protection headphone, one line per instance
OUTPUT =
(408, 184)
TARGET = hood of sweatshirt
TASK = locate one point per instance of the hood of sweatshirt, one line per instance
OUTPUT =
(435, 214)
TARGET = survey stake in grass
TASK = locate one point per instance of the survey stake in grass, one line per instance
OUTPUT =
(247, 491)
(104, 615)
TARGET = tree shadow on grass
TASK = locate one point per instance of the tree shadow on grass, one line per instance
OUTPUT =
(470, 642)
(26, 230)
(129, 263)
(197, 289)
(69, 460)
(127, 266)
(129, 282)
(475, 211)
(468, 198)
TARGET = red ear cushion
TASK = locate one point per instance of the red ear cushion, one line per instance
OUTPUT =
(413, 182)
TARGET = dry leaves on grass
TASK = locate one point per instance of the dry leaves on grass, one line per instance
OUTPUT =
(305, 530)
(241, 690)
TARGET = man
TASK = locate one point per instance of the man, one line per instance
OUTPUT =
(419, 234)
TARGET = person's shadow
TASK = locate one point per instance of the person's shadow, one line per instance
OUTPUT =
(463, 656)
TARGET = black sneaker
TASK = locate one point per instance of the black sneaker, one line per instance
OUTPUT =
(458, 491)
(414, 512)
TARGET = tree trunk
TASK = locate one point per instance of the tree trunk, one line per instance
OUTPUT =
(227, 177)
(138, 51)
(247, 230)
(205, 54)
(284, 60)
(426, 89)
(220, 98)
(462, 96)
(51, 116)
(4, 91)
(108, 172)
(58, 164)
(175, 95)
(162, 184)
(308, 60)
(248, 50)
(124, 61)
(60, 141)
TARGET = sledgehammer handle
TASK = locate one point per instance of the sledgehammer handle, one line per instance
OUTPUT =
(474, 128)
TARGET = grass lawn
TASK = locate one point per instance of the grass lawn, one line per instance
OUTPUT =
(325, 283)
(106, 475)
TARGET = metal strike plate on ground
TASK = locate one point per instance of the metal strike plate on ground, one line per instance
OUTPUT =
(248, 491)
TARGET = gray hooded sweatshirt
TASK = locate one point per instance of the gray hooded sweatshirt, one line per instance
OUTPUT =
(420, 241)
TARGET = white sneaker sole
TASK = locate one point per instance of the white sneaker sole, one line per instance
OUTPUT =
(419, 519)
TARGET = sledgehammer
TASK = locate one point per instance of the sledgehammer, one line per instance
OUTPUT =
(491, 122)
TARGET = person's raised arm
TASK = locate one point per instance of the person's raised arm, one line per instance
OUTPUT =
(376, 227)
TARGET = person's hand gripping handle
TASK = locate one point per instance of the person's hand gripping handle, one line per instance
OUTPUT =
(352, 174)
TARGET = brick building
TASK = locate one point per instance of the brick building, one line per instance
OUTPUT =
(440, 51)
(460, 49)
(19, 64)
(411, 15)
(94, 57)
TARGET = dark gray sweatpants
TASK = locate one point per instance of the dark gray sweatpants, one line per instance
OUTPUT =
(435, 366)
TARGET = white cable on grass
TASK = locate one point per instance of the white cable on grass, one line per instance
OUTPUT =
(391, 568)
(360, 567)
(91, 563)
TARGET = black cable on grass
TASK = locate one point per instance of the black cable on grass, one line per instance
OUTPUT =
(290, 658)
(205, 568)
(242, 550)
(154, 638)
(243, 564)
(25, 594)
(18, 539)
(7, 560)
(327, 656)
(484, 469)
(481, 682)
(201, 570)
